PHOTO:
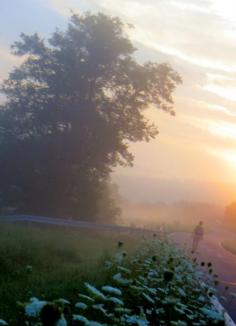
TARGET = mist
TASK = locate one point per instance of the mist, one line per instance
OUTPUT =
(117, 165)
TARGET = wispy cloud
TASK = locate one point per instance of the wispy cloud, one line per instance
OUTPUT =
(64, 8)
(223, 91)
(185, 29)
(8, 61)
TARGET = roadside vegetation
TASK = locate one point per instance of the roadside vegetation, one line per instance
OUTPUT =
(76, 277)
(49, 262)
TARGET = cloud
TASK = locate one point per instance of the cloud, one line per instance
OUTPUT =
(225, 9)
(7, 56)
(207, 124)
(64, 8)
(221, 85)
(193, 31)
(222, 129)
(8, 61)
(183, 29)
(223, 91)
(222, 110)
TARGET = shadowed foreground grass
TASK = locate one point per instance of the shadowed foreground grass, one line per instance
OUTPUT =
(51, 262)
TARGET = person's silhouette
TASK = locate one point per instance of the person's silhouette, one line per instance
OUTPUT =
(198, 234)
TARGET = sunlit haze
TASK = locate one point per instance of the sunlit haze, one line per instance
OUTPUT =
(118, 162)
(194, 156)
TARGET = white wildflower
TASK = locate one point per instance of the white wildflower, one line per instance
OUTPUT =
(148, 298)
(122, 310)
(101, 308)
(61, 322)
(81, 305)
(63, 301)
(116, 301)
(119, 258)
(3, 322)
(95, 292)
(124, 269)
(33, 299)
(34, 308)
(118, 278)
(136, 320)
(80, 318)
(111, 290)
(93, 323)
(86, 297)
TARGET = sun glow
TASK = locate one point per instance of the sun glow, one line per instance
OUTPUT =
(225, 92)
(224, 130)
(225, 9)
(228, 155)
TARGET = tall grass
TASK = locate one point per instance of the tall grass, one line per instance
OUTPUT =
(51, 262)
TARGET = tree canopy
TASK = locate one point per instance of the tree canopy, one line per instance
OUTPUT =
(71, 110)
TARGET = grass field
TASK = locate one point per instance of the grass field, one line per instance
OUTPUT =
(118, 278)
(51, 262)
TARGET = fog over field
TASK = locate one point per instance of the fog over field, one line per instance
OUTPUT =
(117, 162)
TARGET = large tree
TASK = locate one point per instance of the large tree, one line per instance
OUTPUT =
(72, 108)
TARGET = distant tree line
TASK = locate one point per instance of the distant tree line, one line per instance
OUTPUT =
(71, 109)
(230, 216)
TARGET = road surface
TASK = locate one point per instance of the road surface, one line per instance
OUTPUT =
(211, 250)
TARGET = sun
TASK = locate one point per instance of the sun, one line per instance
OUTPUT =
(230, 157)
(227, 155)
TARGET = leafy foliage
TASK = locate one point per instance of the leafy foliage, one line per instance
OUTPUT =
(71, 110)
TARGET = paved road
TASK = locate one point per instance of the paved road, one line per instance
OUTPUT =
(211, 250)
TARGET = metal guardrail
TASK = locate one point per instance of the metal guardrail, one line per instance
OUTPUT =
(74, 223)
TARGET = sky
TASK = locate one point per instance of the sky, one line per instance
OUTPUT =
(194, 156)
